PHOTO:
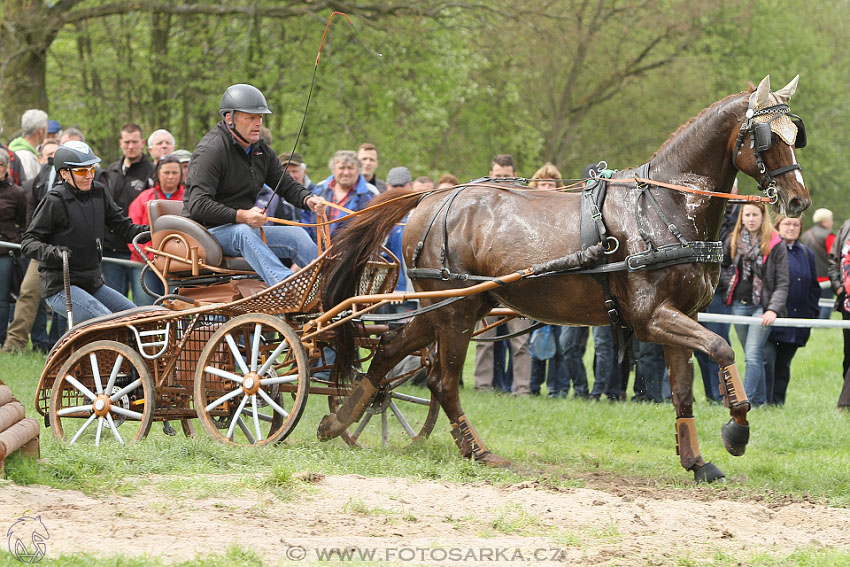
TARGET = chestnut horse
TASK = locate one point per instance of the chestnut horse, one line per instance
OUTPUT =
(492, 231)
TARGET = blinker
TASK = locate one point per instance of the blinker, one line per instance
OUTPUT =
(800, 142)
(763, 137)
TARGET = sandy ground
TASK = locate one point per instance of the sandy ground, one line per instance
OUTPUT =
(408, 522)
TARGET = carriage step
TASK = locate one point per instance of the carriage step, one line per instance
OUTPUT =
(152, 344)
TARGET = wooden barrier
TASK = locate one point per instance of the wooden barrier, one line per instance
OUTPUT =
(17, 432)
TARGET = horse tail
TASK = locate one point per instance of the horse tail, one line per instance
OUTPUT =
(352, 247)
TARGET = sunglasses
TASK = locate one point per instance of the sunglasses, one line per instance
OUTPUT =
(82, 171)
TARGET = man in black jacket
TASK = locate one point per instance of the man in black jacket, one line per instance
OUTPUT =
(125, 179)
(229, 167)
(73, 217)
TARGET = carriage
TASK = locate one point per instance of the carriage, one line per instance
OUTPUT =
(224, 348)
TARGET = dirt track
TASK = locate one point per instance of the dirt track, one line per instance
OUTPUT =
(426, 522)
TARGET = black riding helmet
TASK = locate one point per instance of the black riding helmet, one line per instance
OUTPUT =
(243, 98)
(74, 154)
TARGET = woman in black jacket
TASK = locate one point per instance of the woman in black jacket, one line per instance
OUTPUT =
(73, 217)
(13, 214)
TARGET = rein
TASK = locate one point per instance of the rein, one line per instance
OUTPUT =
(731, 196)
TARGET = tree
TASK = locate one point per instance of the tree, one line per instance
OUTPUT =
(31, 26)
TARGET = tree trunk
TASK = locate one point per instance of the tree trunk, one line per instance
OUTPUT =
(28, 32)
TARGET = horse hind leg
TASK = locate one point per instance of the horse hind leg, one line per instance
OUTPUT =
(392, 348)
(443, 380)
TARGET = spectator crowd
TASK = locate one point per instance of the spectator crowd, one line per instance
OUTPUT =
(53, 189)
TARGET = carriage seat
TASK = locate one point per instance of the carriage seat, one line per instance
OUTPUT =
(182, 237)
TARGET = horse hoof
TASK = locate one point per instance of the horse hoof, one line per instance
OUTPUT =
(708, 473)
(493, 460)
(329, 428)
(735, 437)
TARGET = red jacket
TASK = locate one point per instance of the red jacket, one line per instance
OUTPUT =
(138, 211)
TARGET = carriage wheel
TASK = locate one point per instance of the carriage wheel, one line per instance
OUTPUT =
(398, 416)
(251, 381)
(103, 391)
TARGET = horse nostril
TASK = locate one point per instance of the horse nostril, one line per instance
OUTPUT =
(796, 205)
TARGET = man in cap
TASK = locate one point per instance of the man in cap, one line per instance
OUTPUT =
(54, 131)
(184, 157)
(271, 203)
(229, 167)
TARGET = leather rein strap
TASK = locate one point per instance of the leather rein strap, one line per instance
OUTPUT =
(683, 189)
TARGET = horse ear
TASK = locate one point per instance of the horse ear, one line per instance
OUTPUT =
(763, 93)
(785, 93)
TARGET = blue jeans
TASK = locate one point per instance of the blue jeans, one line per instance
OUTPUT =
(556, 375)
(707, 366)
(290, 242)
(86, 306)
(605, 368)
(753, 338)
(826, 312)
(649, 372)
(573, 342)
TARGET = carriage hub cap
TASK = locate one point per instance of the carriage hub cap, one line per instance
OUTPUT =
(101, 405)
(251, 383)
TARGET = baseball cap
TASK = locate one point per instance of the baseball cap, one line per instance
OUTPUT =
(53, 127)
(182, 156)
(292, 158)
(398, 176)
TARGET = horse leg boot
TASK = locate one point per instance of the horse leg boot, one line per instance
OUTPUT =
(471, 446)
(687, 447)
(393, 347)
(736, 432)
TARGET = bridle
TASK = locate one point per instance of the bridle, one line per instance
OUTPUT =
(761, 140)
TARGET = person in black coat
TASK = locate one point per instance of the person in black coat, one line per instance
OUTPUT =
(802, 303)
(73, 218)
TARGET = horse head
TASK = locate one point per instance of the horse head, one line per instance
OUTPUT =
(765, 147)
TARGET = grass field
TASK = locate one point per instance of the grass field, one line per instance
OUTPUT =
(801, 450)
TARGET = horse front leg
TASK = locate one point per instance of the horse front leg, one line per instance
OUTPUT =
(681, 373)
(671, 327)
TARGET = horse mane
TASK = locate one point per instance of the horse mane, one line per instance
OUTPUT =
(721, 102)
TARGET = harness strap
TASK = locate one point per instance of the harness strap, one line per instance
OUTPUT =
(446, 203)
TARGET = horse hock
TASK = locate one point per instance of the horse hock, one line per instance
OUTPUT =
(332, 425)
(687, 447)
(736, 432)
(471, 446)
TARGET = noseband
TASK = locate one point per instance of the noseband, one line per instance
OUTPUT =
(761, 140)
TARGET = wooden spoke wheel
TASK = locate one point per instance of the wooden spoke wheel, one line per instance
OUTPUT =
(399, 415)
(103, 393)
(252, 380)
